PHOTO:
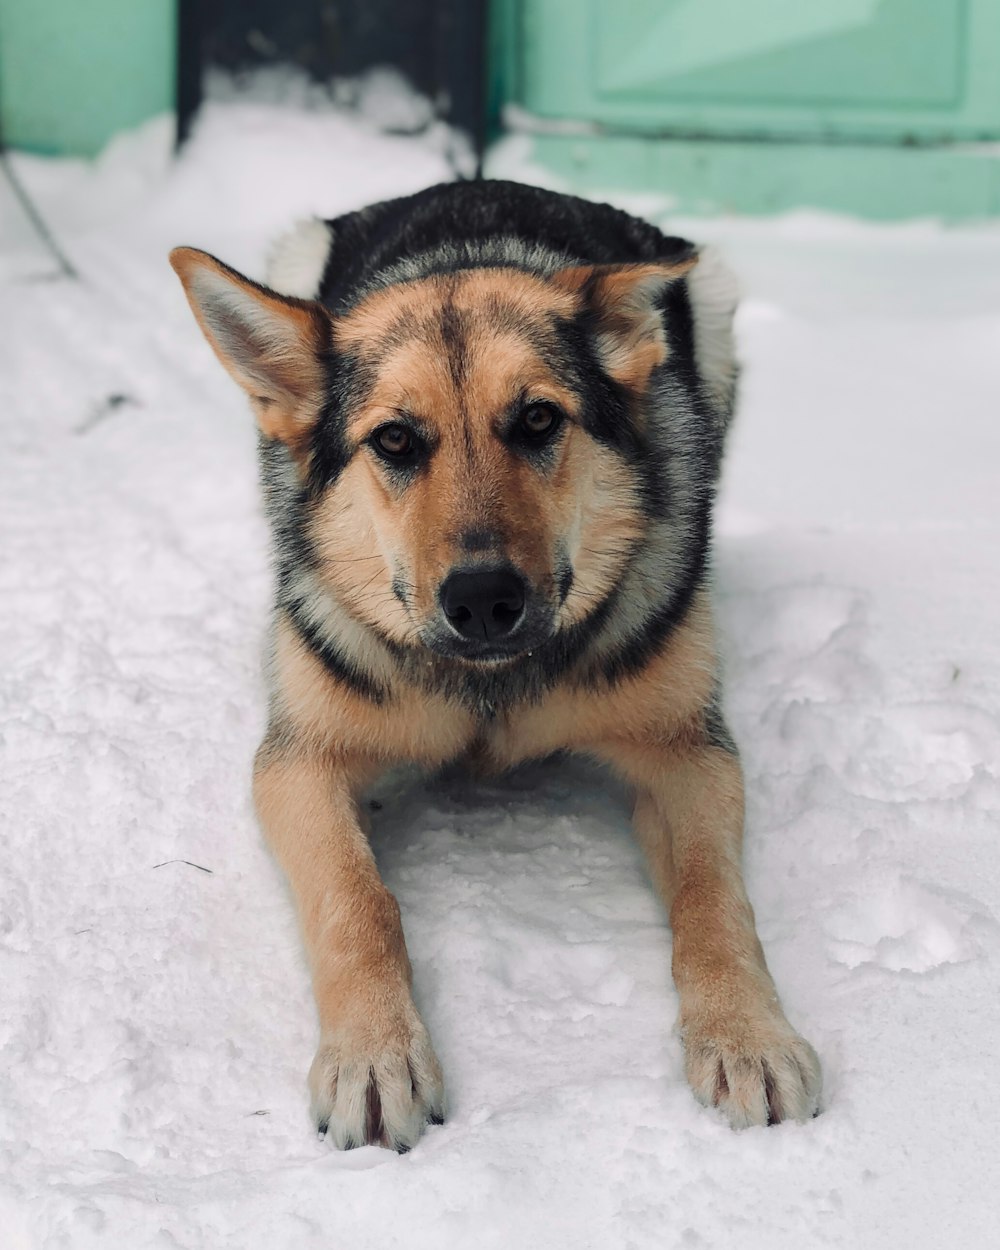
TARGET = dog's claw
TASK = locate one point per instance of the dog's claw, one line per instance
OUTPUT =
(378, 1090)
(757, 1073)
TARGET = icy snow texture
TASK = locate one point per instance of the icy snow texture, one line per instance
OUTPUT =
(157, 1025)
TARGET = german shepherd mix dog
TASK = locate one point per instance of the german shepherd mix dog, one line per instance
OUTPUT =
(491, 424)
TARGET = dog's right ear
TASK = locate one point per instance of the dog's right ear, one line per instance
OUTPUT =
(624, 301)
(272, 345)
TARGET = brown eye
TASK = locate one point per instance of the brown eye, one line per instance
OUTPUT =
(540, 421)
(394, 441)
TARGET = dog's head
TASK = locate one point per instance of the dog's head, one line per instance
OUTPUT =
(464, 443)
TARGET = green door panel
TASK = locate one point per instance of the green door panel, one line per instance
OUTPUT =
(871, 70)
(830, 52)
(74, 72)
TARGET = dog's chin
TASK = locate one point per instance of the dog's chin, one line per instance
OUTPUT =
(483, 654)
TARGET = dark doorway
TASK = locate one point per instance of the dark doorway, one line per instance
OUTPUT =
(439, 45)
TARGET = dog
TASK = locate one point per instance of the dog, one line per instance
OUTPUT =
(491, 423)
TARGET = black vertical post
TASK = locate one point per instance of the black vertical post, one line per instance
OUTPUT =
(461, 68)
(188, 70)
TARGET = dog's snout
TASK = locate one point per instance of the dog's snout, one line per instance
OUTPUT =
(483, 603)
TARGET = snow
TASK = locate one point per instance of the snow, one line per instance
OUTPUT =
(157, 1024)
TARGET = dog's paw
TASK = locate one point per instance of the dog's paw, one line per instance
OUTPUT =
(754, 1071)
(377, 1080)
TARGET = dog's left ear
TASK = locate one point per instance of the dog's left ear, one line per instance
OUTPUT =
(624, 302)
(270, 344)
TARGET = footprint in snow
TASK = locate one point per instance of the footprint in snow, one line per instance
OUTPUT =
(903, 926)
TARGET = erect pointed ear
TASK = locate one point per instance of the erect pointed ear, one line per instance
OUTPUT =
(270, 344)
(625, 303)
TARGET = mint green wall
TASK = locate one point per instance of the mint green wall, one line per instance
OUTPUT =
(719, 176)
(74, 72)
(867, 69)
(871, 106)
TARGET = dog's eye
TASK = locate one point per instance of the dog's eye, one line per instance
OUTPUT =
(538, 422)
(395, 442)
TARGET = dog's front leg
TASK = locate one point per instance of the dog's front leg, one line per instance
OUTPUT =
(741, 1054)
(375, 1077)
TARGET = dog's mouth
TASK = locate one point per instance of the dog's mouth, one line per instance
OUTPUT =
(531, 634)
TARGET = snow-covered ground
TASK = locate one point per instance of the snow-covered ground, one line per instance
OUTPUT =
(156, 1023)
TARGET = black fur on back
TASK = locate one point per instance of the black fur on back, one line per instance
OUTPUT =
(464, 224)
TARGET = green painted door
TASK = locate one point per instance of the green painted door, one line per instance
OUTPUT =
(75, 72)
(759, 104)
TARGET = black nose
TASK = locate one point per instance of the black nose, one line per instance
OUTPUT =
(483, 603)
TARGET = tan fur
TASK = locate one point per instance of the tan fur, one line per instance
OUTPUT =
(370, 1032)
(375, 1076)
(741, 1053)
(471, 291)
(328, 718)
(647, 711)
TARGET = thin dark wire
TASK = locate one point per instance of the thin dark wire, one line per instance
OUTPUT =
(66, 267)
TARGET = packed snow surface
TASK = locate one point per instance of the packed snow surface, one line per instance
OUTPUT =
(156, 1022)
